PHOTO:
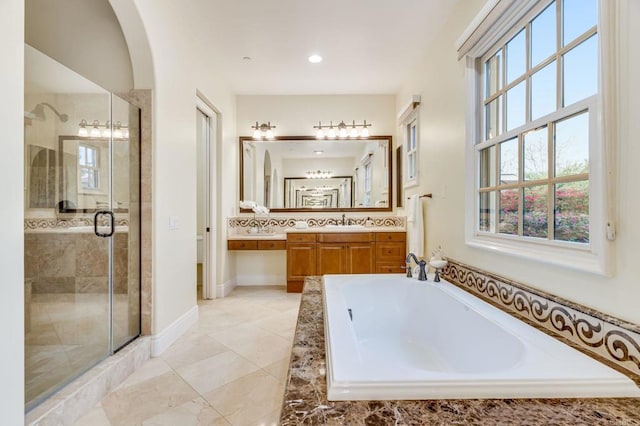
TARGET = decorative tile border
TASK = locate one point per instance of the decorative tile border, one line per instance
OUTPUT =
(614, 340)
(289, 222)
(57, 224)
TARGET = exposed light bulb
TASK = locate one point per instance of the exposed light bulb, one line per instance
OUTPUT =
(332, 133)
(320, 134)
(106, 133)
(269, 134)
(95, 131)
(257, 134)
(82, 129)
(353, 133)
(343, 133)
(364, 133)
(117, 131)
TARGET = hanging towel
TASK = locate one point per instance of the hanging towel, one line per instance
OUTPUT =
(415, 226)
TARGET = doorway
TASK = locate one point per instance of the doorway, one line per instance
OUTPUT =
(207, 203)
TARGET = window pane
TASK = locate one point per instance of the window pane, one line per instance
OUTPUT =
(543, 35)
(535, 152)
(82, 160)
(412, 137)
(572, 212)
(535, 218)
(411, 166)
(572, 145)
(516, 56)
(493, 113)
(508, 212)
(543, 91)
(509, 161)
(579, 16)
(516, 106)
(488, 167)
(493, 72)
(487, 216)
(580, 76)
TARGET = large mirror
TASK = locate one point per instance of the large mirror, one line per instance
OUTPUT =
(302, 173)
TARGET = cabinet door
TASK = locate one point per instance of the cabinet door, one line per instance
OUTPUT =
(330, 258)
(359, 258)
(301, 261)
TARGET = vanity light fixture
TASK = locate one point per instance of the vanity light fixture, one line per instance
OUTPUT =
(343, 130)
(106, 130)
(319, 174)
(263, 131)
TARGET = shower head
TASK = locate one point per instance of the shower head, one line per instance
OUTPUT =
(37, 113)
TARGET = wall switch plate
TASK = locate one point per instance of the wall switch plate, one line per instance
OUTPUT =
(173, 223)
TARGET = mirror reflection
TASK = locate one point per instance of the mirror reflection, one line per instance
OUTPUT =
(293, 173)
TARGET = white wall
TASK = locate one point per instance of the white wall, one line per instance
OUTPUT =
(85, 36)
(442, 160)
(181, 68)
(11, 213)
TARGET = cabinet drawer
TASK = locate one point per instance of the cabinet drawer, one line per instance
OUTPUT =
(242, 244)
(390, 251)
(390, 268)
(272, 245)
(345, 237)
(391, 236)
(301, 238)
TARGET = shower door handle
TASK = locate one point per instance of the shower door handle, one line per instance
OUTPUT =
(111, 223)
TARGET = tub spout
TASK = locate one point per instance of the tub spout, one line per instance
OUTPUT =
(422, 275)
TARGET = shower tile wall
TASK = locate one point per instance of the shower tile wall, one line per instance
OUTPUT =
(74, 263)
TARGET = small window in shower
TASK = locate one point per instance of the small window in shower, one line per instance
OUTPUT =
(88, 167)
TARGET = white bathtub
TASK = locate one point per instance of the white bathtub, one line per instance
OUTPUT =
(409, 339)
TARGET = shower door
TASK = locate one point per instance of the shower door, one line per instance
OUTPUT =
(82, 225)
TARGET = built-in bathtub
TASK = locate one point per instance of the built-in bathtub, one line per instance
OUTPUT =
(389, 337)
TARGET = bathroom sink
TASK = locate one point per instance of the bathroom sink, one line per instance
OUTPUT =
(346, 226)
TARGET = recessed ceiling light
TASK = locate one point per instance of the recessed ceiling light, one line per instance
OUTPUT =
(314, 59)
(318, 152)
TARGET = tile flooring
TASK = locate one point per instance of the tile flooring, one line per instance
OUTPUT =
(230, 368)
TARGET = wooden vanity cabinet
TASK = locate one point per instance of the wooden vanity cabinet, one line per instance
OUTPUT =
(301, 260)
(391, 252)
(345, 253)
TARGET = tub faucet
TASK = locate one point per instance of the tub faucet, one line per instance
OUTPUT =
(422, 275)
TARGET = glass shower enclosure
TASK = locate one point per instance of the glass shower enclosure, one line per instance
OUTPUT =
(82, 225)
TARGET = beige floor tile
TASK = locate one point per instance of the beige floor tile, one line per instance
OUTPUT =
(279, 369)
(133, 404)
(244, 401)
(196, 412)
(255, 344)
(153, 368)
(95, 417)
(193, 348)
(216, 371)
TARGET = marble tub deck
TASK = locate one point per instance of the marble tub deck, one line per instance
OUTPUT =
(305, 398)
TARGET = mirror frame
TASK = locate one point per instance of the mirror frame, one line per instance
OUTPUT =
(388, 208)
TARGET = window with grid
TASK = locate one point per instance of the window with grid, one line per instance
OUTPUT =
(539, 103)
(88, 167)
(411, 150)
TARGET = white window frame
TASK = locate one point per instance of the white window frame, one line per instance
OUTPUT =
(411, 153)
(499, 20)
(96, 169)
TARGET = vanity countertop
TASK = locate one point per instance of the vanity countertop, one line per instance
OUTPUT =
(305, 398)
(282, 235)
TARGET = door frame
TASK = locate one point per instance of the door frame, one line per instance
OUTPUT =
(212, 198)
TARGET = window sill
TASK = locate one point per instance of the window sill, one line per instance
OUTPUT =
(577, 258)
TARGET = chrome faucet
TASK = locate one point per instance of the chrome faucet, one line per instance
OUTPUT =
(422, 275)
(344, 221)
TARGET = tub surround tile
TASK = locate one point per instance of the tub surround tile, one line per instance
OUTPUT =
(612, 340)
(305, 400)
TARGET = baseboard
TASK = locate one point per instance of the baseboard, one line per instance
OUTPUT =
(161, 341)
(224, 289)
(258, 280)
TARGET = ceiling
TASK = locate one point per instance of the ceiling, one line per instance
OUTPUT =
(368, 46)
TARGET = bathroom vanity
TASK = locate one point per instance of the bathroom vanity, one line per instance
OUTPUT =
(331, 250)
